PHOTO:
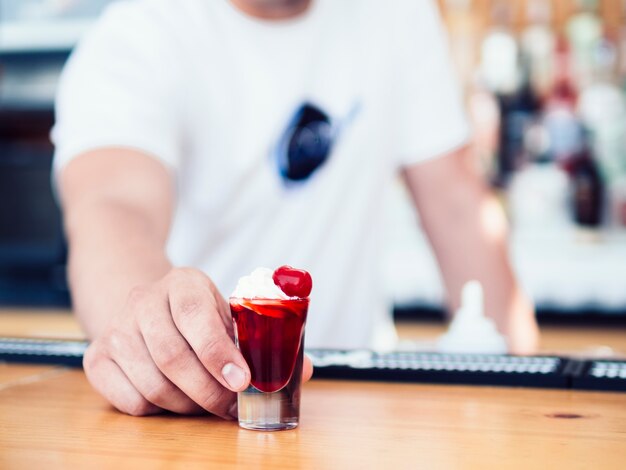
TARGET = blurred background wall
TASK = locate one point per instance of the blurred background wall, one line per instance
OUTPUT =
(36, 37)
(545, 87)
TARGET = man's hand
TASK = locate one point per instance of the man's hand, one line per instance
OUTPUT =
(170, 348)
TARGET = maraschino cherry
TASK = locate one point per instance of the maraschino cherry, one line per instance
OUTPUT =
(293, 282)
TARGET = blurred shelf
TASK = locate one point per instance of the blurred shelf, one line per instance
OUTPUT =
(561, 273)
(566, 270)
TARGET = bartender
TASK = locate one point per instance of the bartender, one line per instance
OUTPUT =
(197, 140)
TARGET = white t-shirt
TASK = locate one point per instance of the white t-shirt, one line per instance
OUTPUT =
(209, 91)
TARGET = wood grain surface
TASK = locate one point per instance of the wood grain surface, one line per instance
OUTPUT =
(59, 422)
(50, 418)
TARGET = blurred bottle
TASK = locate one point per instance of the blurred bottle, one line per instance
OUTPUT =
(602, 108)
(538, 199)
(587, 189)
(518, 111)
(538, 194)
(568, 145)
(563, 128)
(499, 51)
(499, 72)
(583, 30)
(538, 45)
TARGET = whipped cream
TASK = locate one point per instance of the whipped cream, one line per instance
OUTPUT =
(471, 331)
(258, 285)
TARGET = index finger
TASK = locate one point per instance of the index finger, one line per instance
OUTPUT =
(198, 315)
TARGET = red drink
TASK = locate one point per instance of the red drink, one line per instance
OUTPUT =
(270, 334)
(269, 330)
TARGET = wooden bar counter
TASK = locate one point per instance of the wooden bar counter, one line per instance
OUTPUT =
(51, 418)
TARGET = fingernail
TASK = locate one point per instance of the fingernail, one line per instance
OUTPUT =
(234, 376)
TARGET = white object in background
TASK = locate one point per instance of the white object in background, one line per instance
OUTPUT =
(538, 45)
(583, 30)
(499, 52)
(499, 64)
(538, 199)
(471, 331)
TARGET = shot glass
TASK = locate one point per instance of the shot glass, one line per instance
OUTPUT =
(270, 335)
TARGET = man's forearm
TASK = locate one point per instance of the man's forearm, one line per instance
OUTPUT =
(473, 246)
(114, 248)
(468, 232)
